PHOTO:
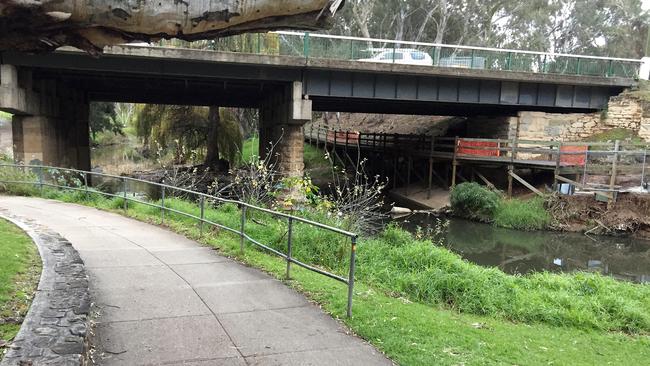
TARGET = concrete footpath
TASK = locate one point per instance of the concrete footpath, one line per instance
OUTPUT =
(164, 299)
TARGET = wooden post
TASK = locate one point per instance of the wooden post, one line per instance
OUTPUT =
(612, 180)
(395, 158)
(558, 163)
(431, 147)
(454, 164)
(408, 175)
(510, 171)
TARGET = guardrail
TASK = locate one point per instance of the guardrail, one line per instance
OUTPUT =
(54, 177)
(323, 46)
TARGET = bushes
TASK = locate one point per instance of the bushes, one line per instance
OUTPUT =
(476, 202)
(473, 201)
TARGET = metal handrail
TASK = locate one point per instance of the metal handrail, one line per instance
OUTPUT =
(443, 45)
(309, 46)
(349, 281)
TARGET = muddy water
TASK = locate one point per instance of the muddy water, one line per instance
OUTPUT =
(523, 252)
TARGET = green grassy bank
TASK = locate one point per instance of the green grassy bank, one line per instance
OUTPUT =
(423, 305)
(476, 202)
(19, 271)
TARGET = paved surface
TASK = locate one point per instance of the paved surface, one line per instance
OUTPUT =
(54, 330)
(166, 300)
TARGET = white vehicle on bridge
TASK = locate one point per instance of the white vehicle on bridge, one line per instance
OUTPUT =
(404, 56)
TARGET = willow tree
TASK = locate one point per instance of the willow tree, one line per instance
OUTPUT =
(209, 133)
(90, 25)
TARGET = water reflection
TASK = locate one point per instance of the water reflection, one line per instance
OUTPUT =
(523, 252)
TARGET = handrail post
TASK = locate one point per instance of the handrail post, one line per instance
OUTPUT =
(86, 184)
(612, 180)
(162, 206)
(509, 62)
(126, 205)
(243, 225)
(610, 69)
(306, 45)
(353, 259)
(202, 204)
(289, 247)
(394, 50)
(578, 67)
(40, 179)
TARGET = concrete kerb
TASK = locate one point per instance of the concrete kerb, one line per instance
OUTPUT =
(56, 328)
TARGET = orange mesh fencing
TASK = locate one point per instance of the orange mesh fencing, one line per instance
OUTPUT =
(479, 148)
(573, 159)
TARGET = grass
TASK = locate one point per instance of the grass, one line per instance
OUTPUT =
(614, 134)
(19, 270)
(422, 304)
(522, 214)
(476, 202)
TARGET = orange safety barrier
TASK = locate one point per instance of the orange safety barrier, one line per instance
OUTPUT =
(470, 148)
(573, 159)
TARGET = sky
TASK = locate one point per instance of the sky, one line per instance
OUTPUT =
(645, 4)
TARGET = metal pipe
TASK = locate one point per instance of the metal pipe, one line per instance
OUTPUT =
(353, 258)
(86, 184)
(202, 204)
(126, 205)
(243, 229)
(442, 45)
(289, 247)
(162, 206)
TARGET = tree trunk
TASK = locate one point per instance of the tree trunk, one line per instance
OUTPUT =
(90, 25)
(214, 122)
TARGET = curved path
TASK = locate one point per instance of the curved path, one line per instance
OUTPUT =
(164, 299)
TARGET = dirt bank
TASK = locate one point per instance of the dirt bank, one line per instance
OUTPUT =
(392, 123)
(630, 214)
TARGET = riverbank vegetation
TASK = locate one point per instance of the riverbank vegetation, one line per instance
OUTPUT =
(419, 302)
(19, 273)
(476, 202)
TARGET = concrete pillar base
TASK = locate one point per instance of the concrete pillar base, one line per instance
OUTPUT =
(282, 116)
(50, 123)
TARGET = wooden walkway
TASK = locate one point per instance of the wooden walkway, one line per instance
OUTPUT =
(570, 162)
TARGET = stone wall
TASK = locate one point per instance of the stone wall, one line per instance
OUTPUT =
(540, 126)
(624, 111)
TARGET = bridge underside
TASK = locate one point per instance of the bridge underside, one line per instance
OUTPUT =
(50, 93)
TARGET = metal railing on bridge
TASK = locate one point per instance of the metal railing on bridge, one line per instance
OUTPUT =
(323, 46)
(152, 194)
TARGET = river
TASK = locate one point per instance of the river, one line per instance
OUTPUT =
(520, 252)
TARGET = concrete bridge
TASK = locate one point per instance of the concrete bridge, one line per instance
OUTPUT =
(288, 76)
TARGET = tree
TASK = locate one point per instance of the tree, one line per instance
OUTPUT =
(90, 25)
(616, 28)
(102, 118)
(190, 132)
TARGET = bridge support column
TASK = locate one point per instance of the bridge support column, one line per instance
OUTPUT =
(282, 116)
(50, 122)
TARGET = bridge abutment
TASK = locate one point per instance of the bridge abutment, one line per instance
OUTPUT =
(283, 114)
(50, 123)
